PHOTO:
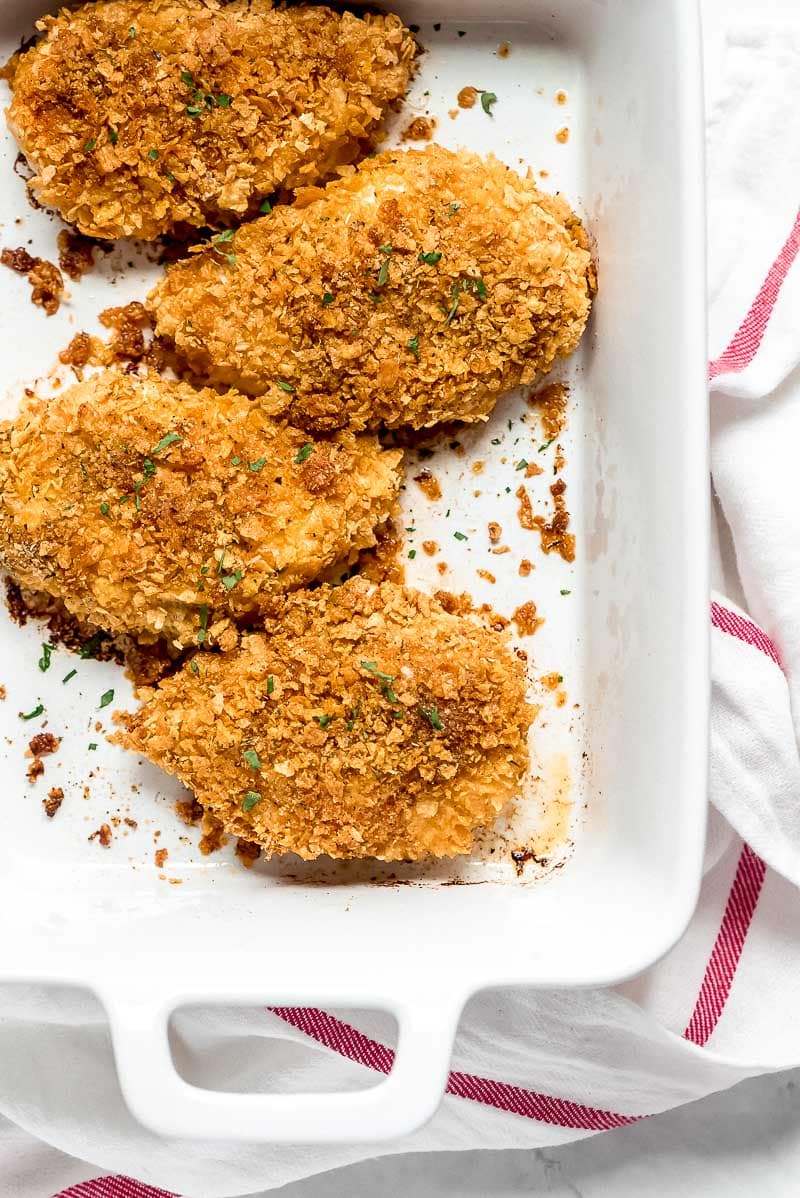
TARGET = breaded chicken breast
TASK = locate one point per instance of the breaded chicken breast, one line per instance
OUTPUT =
(142, 115)
(150, 508)
(364, 721)
(415, 290)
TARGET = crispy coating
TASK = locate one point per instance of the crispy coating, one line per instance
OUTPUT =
(150, 508)
(415, 290)
(142, 115)
(364, 722)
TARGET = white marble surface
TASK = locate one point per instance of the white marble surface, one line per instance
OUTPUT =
(740, 1143)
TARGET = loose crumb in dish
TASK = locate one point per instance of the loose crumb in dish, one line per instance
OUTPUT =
(495, 531)
(487, 574)
(76, 253)
(428, 483)
(477, 467)
(420, 129)
(35, 769)
(44, 743)
(551, 404)
(442, 567)
(525, 568)
(55, 797)
(561, 97)
(160, 857)
(531, 470)
(468, 97)
(247, 852)
(563, 136)
(503, 50)
(430, 547)
(46, 280)
(130, 823)
(551, 681)
(526, 619)
(103, 834)
(3, 693)
(189, 811)
(78, 352)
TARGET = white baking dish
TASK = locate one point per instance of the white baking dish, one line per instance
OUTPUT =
(630, 639)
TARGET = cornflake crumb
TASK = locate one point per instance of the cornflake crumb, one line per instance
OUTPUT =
(103, 834)
(46, 280)
(130, 823)
(525, 619)
(44, 743)
(430, 547)
(78, 352)
(428, 483)
(35, 769)
(467, 97)
(160, 857)
(55, 797)
(420, 129)
(442, 567)
(525, 568)
(561, 97)
(495, 531)
(487, 574)
(563, 136)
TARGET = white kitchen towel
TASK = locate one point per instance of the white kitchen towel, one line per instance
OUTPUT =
(532, 1069)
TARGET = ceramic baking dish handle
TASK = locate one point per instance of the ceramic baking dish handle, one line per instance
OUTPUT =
(164, 1102)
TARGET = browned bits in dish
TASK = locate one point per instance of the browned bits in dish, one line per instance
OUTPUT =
(420, 129)
(75, 253)
(170, 513)
(43, 743)
(46, 280)
(103, 834)
(551, 404)
(428, 483)
(365, 721)
(78, 352)
(526, 619)
(468, 97)
(55, 797)
(413, 291)
(140, 117)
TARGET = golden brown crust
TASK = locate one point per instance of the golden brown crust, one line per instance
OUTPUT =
(141, 115)
(332, 294)
(364, 722)
(122, 496)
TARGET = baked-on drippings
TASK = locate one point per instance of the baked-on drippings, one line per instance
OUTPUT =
(551, 404)
(365, 721)
(415, 290)
(429, 484)
(554, 535)
(55, 797)
(170, 513)
(75, 253)
(201, 112)
(46, 280)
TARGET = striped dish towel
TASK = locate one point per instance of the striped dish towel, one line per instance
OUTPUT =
(531, 1070)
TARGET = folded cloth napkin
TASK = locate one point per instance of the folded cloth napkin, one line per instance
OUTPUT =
(536, 1069)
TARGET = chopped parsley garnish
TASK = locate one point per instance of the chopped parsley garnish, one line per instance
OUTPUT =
(324, 720)
(137, 486)
(92, 747)
(265, 206)
(187, 78)
(31, 715)
(546, 445)
(479, 286)
(106, 698)
(521, 464)
(44, 660)
(170, 176)
(131, 32)
(285, 386)
(201, 636)
(67, 677)
(431, 258)
(83, 469)
(250, 799)
(256, 465)
(303, 453)
(495, 440)
(105, 509)
(252, 758)
(351, 723)
(224, 238)
(148, 468)
(194, 667)
(223, 100)
(90, 144)
(460, 536)
(113, 135)
(193, 110)
(413, 345)
(561, 678)
(89, 648)
(204, 569)
(376, 299)
(270, 684)
(412, 553)
(387, 680)
(487, 100)
(386, 249)
(236, 461)
(229, 581)
(327, 299)
(167, 440)
(152, 155)
(454, 207)
(566, 592)
(453, 304)
(431, 714)
(383, 273)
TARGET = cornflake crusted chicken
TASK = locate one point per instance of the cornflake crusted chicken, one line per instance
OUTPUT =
(150, 508)
(363, 722)
(414, 290)
(141, 115)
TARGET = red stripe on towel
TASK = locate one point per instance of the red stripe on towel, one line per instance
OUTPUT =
(744, 630)
(113, 1187)
(748, 337)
